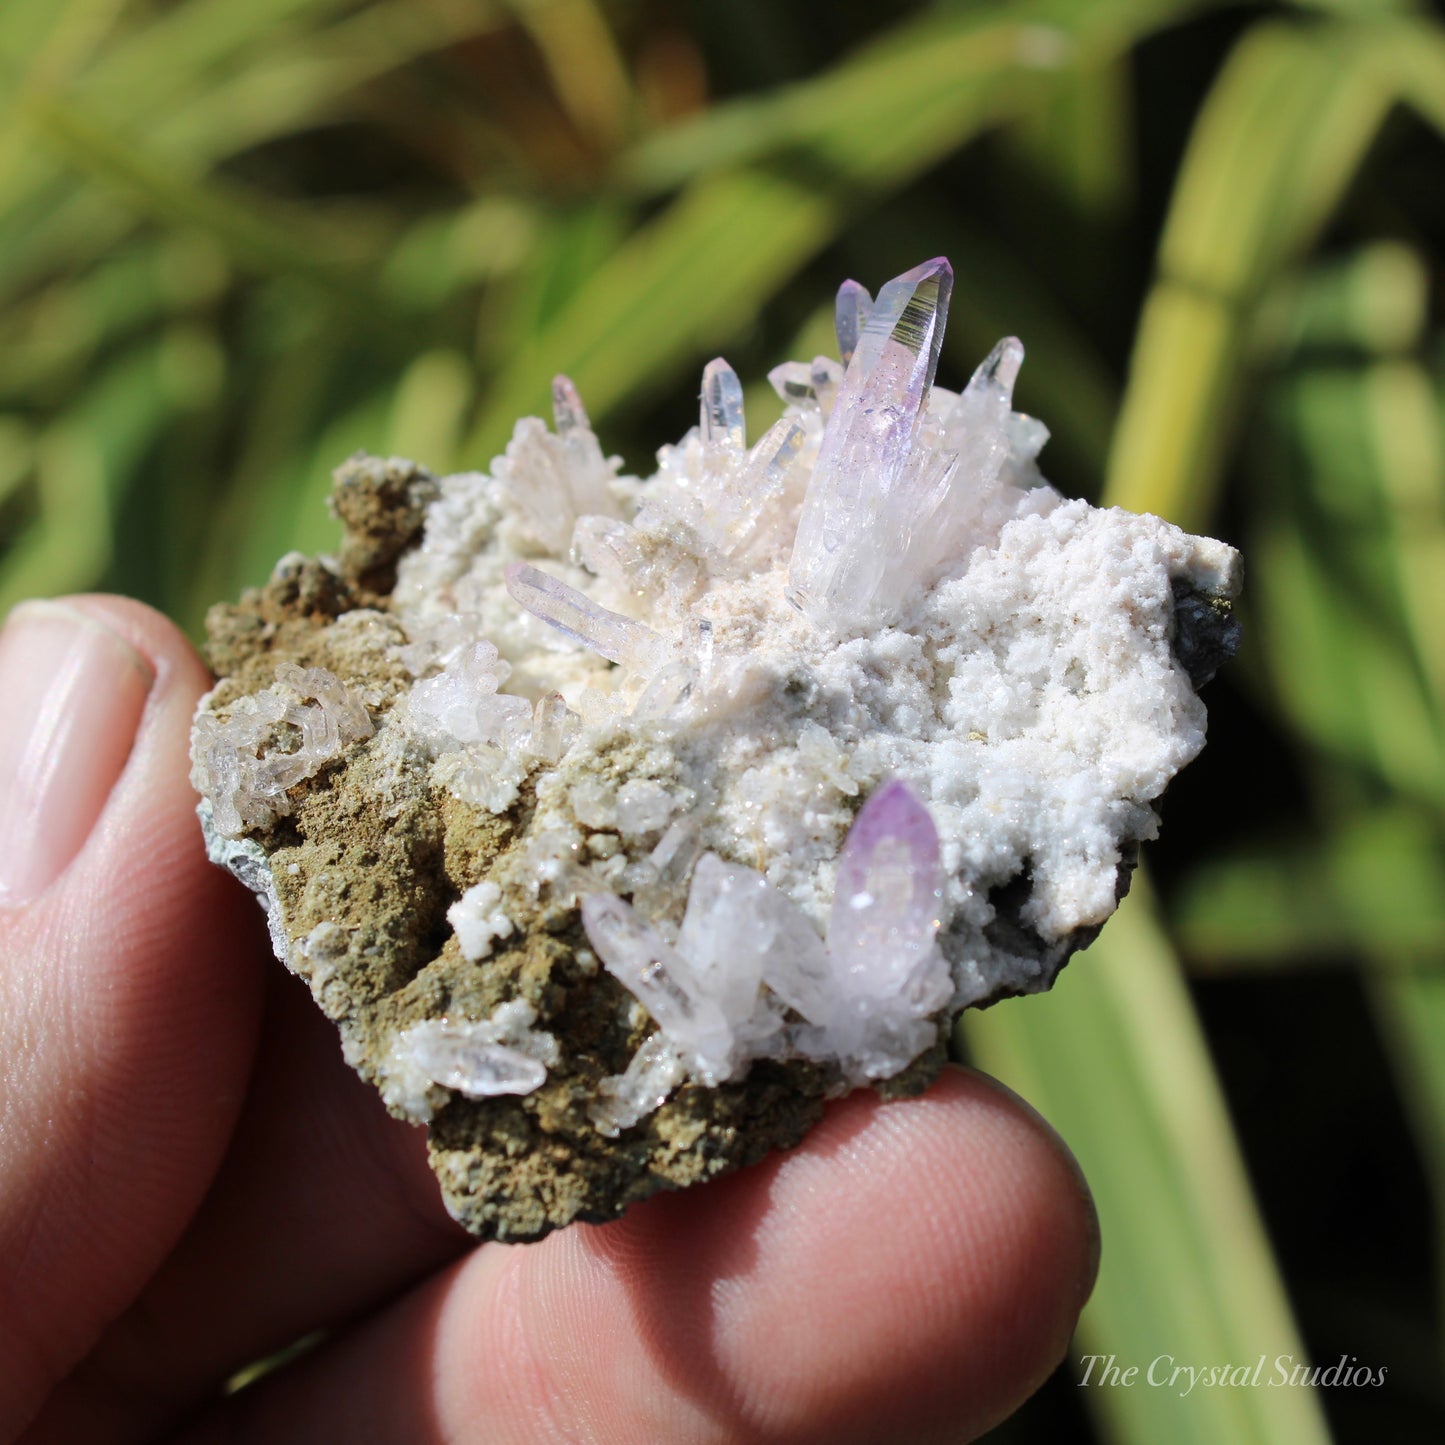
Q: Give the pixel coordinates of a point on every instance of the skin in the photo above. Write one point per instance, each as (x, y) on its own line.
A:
(190, 1178)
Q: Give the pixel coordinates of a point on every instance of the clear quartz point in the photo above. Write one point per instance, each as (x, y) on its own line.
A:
(482, 1070)
(725, 934)
(850, 313)
(745, 515)
(554, 479)
(826, 376)
(1000, 368)
(659, 977)
(705, 646)
(467, 1057)
(793, 382)
(554, 727)
(983, 414)
(609, 549)
(655, 1070)
(623, 640)
(799, 384)
(670, 687)
(721, 421)
(859, 494)
(568, 412)
(663, 889)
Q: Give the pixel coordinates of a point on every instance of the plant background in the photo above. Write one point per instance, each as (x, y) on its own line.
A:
(239, 241)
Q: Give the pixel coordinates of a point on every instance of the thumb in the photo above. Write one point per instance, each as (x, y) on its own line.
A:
(129, 985)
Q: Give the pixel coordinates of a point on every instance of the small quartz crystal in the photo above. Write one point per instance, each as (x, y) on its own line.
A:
(480, 1060)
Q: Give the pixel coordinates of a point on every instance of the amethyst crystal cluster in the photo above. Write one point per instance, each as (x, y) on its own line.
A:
(750, 978)
(712, 793)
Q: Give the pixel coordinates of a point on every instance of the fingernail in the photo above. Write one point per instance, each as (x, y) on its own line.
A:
(71, 697)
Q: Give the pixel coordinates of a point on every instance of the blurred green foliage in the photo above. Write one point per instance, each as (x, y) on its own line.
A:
(240, 241)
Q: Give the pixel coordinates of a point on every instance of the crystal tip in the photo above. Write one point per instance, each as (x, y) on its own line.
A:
(1003, 363)
(938, 266)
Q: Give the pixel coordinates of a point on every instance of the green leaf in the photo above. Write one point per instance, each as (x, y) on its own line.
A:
(693, 277)
(431, 405)
(265, 92)
(1345, 681)
(241, 223)
(1410, 1009)
(1373, 883)
(1352, 534)
(677, 287)
(1114, 1058)
(1280, 136)
(1375, 298)
(1082, 139)
(946, 73)
(1348, 584)
(84, 463)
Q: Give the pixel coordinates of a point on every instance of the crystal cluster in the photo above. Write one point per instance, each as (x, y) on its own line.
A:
(272, 740)
(749, 977)
(488, 738)
(499, 1055)
(664, 807)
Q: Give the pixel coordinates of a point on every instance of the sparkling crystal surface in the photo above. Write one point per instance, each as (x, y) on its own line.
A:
(554, 727)
(461, 704)
(245, 765)
(464, 1058)
(557, 477)
(850, 316)
(745, 952)
(640, 958)
(861, 489)
(883, 926)
(653, 1072)
(619, 639)
(721, 417)
(480, 1058)
(568, 413)
(725, 934)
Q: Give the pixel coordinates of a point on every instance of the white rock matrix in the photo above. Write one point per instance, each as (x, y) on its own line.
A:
(693, 681)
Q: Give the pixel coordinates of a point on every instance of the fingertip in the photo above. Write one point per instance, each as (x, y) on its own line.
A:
(96, 699)
(141, 892)
(918, 1271)
(151, 633)
(913, 1271)
(1056, 1151)
(72, 693)
(131, 989)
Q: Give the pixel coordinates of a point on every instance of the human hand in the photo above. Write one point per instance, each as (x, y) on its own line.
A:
(190, 1177)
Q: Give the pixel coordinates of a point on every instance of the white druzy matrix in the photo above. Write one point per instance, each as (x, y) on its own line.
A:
(822, 735)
